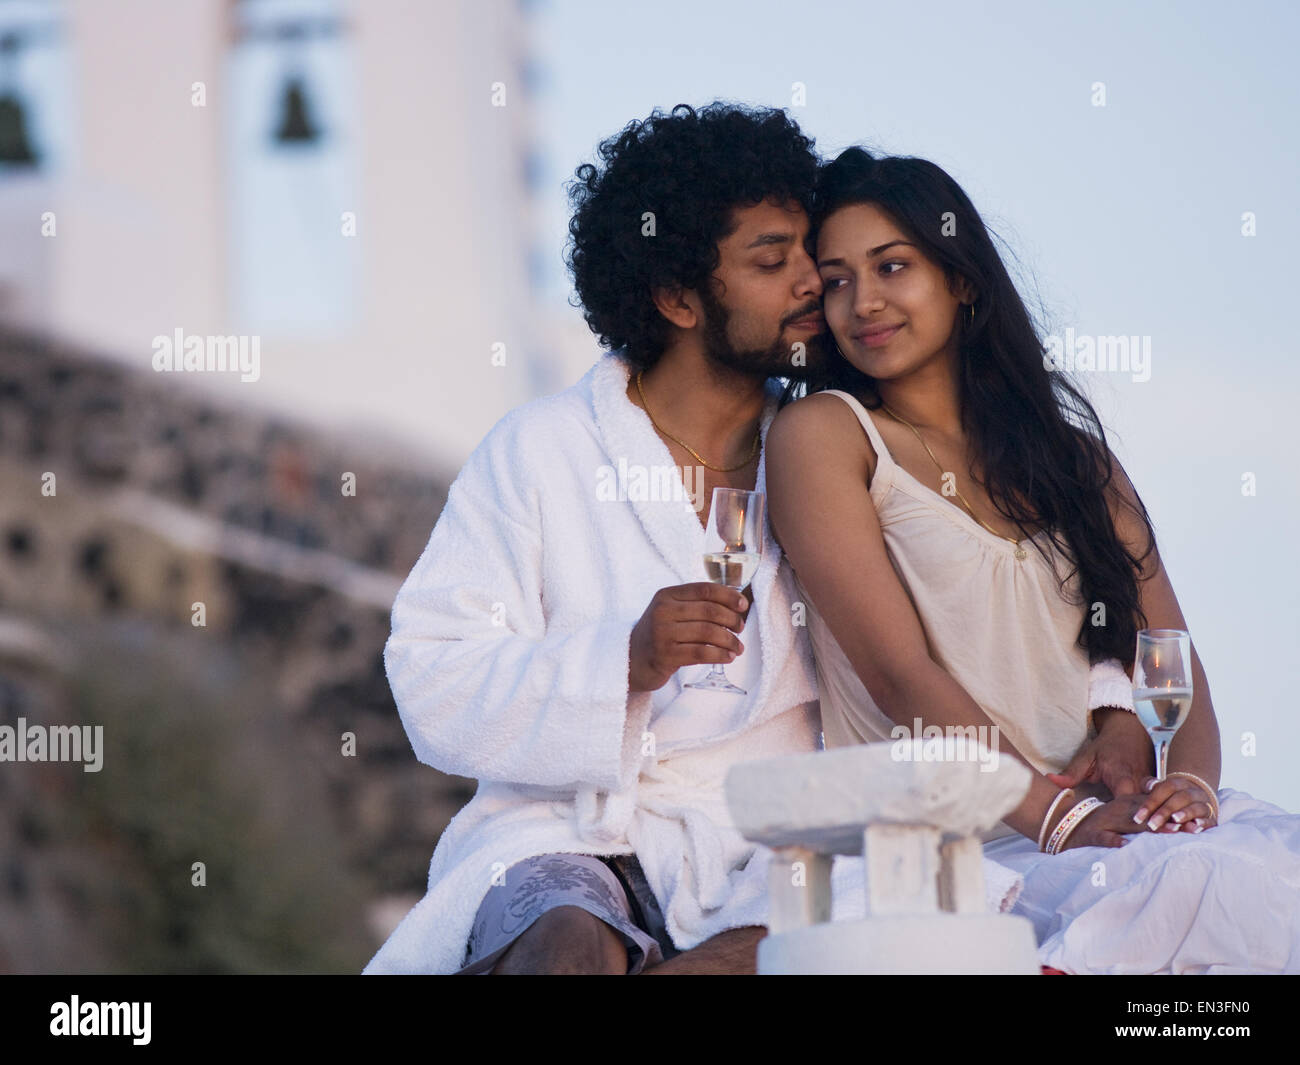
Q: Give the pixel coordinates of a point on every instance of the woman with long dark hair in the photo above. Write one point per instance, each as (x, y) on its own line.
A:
(971, 553)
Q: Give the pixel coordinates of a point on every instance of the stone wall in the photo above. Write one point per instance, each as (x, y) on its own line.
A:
(224, 738)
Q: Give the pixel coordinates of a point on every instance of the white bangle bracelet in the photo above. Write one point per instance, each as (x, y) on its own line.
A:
(1047, 817)
(1070, 822)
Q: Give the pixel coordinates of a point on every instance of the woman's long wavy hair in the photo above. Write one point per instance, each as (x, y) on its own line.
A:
(1035, 439)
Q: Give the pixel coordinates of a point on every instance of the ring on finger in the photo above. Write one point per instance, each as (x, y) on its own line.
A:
(1193, 811)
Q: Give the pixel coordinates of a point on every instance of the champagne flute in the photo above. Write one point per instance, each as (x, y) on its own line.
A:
(1162, 687)
(733, 545)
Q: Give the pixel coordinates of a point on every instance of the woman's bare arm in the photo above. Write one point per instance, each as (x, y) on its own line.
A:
(821, 511)
(1195, 748)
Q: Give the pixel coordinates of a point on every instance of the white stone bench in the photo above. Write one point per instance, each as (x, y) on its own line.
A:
(917, 823)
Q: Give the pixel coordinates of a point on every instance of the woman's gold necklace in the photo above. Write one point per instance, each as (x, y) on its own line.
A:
(1020, 551)
(717, 469)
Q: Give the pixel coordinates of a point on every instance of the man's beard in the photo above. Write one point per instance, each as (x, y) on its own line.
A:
(775, 360)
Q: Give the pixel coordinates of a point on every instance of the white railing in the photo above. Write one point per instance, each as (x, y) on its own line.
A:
(916, 822)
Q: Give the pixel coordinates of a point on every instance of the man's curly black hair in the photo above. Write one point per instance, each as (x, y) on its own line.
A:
(690, 169)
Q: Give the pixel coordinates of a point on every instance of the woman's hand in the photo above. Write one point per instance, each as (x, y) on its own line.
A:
(1120, 756)
(1174, 804)
(1107, 825)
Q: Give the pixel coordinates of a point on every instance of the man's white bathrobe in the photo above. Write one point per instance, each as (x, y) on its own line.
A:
(508, 661)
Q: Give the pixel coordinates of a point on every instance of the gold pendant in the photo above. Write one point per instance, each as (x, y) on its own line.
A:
(1021, 553)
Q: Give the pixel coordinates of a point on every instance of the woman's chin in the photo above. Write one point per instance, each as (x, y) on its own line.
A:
(877, 365)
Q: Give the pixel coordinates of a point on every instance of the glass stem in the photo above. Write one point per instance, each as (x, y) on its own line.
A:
(1162, 756)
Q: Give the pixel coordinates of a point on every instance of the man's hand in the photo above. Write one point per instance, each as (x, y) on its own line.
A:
(684, 625)
(1121, 756)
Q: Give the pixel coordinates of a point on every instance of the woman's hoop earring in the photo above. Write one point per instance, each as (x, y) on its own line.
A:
(972, 314)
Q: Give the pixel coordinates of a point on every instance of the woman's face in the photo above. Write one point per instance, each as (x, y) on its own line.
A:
(888, 306)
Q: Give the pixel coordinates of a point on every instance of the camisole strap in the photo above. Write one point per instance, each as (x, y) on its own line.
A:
(884, 474)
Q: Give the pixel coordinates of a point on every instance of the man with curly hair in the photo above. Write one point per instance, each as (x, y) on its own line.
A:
(538, 645)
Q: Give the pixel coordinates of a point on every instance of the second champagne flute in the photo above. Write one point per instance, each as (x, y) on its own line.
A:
(1162, 687)
(733, 546)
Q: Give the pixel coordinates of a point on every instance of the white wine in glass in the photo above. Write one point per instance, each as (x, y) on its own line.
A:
(1162, 687)
(733, 546)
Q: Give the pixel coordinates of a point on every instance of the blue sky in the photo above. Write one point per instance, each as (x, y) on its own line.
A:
(1127, 218)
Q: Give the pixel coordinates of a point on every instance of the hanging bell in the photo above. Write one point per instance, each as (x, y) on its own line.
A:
(296, 126)
(15, 147)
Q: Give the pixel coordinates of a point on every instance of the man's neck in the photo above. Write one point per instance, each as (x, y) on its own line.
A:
(714, 409)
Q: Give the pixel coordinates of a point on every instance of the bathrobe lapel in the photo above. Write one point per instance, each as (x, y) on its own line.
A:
(672, 527)
(627, 436)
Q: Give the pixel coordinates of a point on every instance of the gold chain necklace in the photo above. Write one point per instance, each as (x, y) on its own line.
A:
(1020, 551)
(717, 469)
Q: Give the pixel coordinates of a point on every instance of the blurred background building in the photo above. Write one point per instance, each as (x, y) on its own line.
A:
(350, 188)
(353, 183)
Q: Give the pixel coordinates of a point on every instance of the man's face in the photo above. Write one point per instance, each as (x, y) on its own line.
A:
(765, 318)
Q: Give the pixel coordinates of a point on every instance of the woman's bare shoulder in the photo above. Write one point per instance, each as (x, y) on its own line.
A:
(816, 427)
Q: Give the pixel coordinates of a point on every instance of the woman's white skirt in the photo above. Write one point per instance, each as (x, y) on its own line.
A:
(1226, 900)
